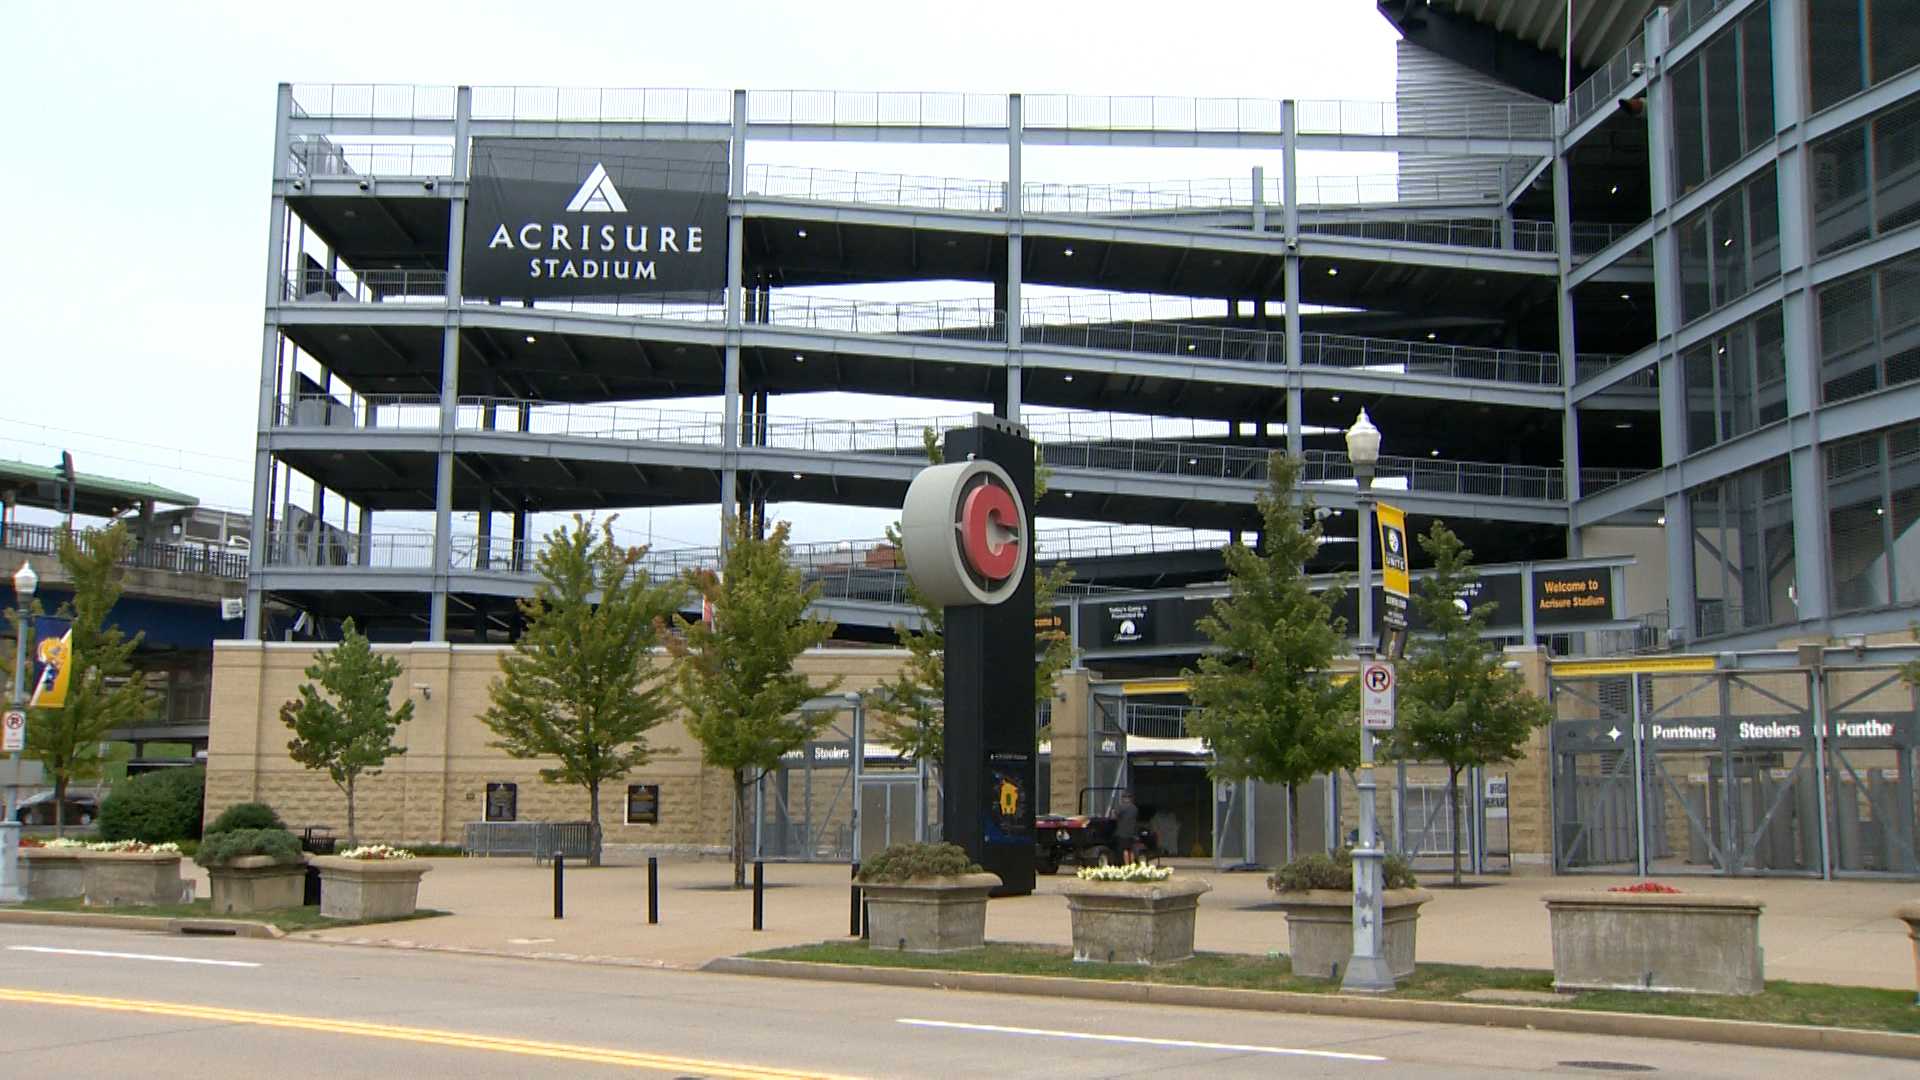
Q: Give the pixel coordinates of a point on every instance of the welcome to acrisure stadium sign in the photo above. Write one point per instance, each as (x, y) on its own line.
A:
(596, 217)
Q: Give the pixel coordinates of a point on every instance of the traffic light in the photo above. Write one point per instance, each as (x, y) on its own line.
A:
(65, 471)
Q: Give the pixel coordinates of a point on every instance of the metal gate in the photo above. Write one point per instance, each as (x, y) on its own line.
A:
(1781, 771)
(1106, 752)
(806, 810)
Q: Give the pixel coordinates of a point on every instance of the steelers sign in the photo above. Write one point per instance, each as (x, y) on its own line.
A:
(964, 533)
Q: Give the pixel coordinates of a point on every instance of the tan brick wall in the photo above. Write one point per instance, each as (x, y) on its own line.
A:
(430, 792)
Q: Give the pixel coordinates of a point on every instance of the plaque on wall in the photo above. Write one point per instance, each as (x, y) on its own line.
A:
(643, 804)
(503, 801)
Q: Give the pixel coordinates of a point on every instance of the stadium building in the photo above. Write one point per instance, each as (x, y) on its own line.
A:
(1657, 334)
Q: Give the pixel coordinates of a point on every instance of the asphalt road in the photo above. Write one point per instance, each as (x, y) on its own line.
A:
(80, 1003)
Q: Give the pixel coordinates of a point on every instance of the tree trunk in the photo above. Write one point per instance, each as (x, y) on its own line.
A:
(59, 805)
(739, 828)
(1453, 811)
(353, 839)
(593, 815)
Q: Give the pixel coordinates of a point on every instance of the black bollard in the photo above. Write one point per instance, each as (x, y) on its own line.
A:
(853, 913)
(759, 885)
(653, 891)
(559, 886)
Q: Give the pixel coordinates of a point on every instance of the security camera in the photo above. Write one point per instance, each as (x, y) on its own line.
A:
(299, 185)
(1638, 69)
(365, 185)
(428, 184)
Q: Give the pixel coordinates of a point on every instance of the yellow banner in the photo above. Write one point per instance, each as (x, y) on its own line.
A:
(56, 671)
(1393, 550)
(1633, 665)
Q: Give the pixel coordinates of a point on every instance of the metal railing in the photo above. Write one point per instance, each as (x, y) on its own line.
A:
(876, 188)
(1592, 365)
(1590, 238)
(373, 101)
(1593, 481)
(1526, 235)
(1684, 16)
(1430, 358)
(1108, 541)
(1155, 721)
(318, 286)
(1433, 117)
(318, 156)
(1601, 87)
(1429, 117)
(208, 560)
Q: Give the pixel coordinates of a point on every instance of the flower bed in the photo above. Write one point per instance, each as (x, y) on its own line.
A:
(117, 873)
(1640, 939)
(1132, 914)
(358, 885)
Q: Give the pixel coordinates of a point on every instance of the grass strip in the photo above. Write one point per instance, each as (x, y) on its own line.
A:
(1818, 1004)
(290, 920)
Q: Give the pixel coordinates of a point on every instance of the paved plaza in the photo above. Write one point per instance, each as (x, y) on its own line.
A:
(1834, 932)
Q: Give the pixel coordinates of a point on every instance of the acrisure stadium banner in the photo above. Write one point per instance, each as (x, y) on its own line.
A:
(594, 217)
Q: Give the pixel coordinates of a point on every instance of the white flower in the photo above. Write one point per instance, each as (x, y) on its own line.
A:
(65, 842)
(376, 852)
(131, 847)
(1130, 872)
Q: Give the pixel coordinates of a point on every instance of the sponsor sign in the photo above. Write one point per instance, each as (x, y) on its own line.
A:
(1162, 621)
(14, 732)
(965, 534)
(1393, 566)
(1376, 696)
(1572, 596)
(643, 804)
(591, 217)
(837, 754)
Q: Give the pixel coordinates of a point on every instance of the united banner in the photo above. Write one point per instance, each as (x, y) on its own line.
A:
(56, 671)
(1393, 564)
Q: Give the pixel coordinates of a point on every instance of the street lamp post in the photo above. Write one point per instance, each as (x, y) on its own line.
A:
(25, 581)
(1367, 969)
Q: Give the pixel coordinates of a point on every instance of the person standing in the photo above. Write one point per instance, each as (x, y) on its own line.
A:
(1126, 826)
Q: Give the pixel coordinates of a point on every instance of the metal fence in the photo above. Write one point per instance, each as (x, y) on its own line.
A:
(1431, 358)
(209, 560)
(318, 156)
(1601, 87)
(1524, 235)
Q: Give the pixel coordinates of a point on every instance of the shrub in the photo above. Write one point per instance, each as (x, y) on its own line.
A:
(1335, 872)
(907, 862)
(156, 807)
(221, 848)
(246, 815)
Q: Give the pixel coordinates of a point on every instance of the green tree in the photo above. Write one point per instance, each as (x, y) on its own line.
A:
(104, 692)
(909, 706)
(1264, 700)
(580, 685)
(1458, 705)
(348, 731)
(734, 679)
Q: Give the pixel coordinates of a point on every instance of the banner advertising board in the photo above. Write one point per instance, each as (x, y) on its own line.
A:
(1393, 565)
(1572, 596)
(593, 217)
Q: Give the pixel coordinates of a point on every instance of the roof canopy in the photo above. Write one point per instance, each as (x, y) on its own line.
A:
(94, 495)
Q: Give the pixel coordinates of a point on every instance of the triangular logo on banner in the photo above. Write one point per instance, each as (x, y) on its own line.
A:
(597, 195)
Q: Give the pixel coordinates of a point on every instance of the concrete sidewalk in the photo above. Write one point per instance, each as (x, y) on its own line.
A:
(1833, 932)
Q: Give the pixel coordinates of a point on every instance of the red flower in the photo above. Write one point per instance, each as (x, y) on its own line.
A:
(1646, 887)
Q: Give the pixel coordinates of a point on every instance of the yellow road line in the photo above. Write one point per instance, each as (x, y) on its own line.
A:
(458, 1039)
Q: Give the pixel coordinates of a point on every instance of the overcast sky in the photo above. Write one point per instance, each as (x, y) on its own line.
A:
(139, 156)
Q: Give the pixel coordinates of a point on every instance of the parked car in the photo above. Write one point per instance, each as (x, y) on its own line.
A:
(38, 809)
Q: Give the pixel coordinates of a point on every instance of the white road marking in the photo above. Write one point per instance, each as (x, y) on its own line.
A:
(132, 956)
(1135, 1040)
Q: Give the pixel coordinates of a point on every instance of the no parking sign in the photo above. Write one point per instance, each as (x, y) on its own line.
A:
(16, 732)
(1376, 696)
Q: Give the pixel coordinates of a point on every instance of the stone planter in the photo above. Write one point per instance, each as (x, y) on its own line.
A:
(52, 873)
(1910, 914)
(1320, 929)
(131, 878)
(1144, 922)
(932, 915)
(1690, 943)
(256, 883)
(368, 888)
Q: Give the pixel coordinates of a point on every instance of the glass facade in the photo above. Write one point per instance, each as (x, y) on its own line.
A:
(1743, 554)
(1855, 44)
(1873, 498)
(1866, 178)
(1870, 329)
(1736, 381)
(1723, 100)
(1730, 246)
